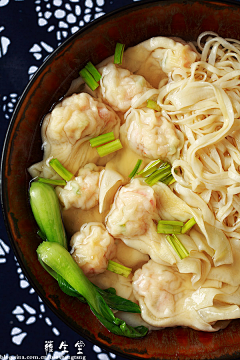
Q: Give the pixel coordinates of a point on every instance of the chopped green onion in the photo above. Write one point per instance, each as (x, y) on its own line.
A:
(135, 170)
(51, 181)
(158, 175)
(109, 148)
(150, 168)
(177, 246)
(118, 268)
(89, 79)
(102, 139)
(118, 55)
(188, 225)
(168, 229)
(157, 171)
(93, 71)
(153, 105)
(181, 247)
(171, 181)
(168, 180)
(60, 169)
(171, 222)
(171, 241)
(165, 179)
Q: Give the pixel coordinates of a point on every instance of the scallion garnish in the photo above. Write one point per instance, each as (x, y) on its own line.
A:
(177, 246)
(118, 268)
(118, 55)
(153, 105)
(109, 148)
(89, 79)
(93, 71)
(135, 170)
(174, 226)
(188, 225)
(60, 169)
(171, 222)
(155, 171)
(102, 139)
(159, 174)
(169, 227)
(150, 168)
(51, 181)
(168, 180)
(171, 181)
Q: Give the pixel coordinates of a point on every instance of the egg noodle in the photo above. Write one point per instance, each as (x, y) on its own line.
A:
(204, 103)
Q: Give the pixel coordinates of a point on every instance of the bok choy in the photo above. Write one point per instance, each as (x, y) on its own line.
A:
(46, 210)
(55, 258)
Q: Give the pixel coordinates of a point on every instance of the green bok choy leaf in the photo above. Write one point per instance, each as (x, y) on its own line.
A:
(56, 257)
(114, 301)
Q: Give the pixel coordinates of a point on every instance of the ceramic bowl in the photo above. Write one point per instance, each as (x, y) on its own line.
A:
(96, 41)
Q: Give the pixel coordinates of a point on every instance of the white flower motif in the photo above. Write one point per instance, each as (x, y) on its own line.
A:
(46, 319)
(18, 312)
(18, 335)
(32, 70)
(101, 355)
(9, 102)
(4, 2)
(27, 315)
(41, 50)
(67, 15)
(24, 283)
(25, 312)
(4, 249)
(4, 42)
(68, 22)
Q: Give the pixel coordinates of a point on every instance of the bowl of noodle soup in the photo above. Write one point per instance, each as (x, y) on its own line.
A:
(185, 57)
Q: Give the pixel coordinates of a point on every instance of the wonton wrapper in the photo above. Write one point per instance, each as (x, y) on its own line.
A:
(167, 298)
(66, 132)
(156, 57)
(110, 181)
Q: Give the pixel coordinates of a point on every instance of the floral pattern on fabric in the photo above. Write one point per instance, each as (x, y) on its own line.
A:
(29, 32)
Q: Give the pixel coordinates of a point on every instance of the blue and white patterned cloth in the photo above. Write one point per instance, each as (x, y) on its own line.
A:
(29, 32)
